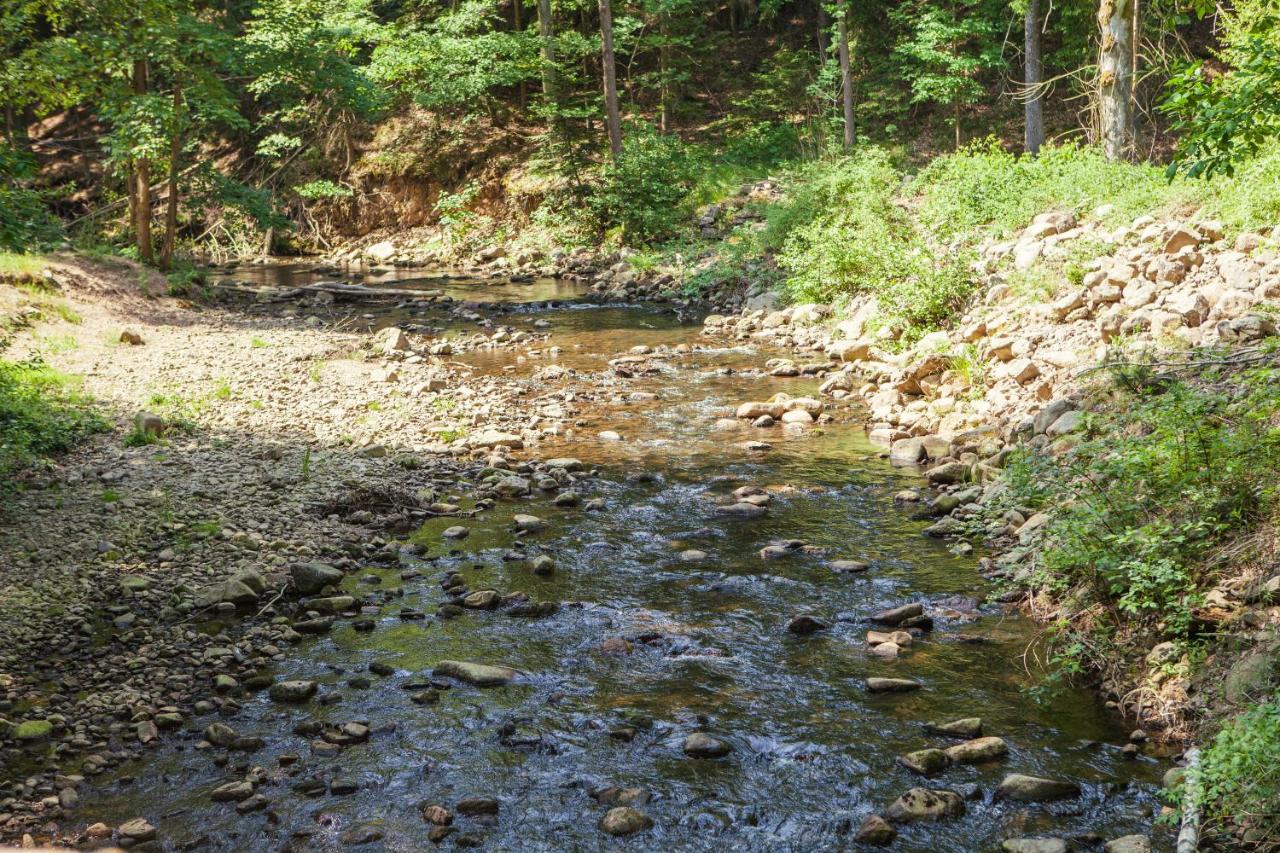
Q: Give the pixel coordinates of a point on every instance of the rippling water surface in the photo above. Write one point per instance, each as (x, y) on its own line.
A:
(813, 752)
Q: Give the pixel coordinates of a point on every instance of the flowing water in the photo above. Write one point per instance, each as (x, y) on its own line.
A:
(813, 752)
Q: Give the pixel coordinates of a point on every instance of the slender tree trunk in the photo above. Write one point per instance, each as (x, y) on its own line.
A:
(1115, 77)
(142, 176)
(547, 34)
(517, 13)
(846, 75)
(955, 121)
(1033, 131)
(613, 121)
(175, 152)
(823, 47)
(664, 72)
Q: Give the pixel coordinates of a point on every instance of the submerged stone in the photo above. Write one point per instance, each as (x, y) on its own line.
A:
(479, 674)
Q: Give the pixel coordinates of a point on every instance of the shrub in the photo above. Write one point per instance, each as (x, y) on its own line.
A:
(1239, 774)
(845, 233)
(25, 223)
(646, 192)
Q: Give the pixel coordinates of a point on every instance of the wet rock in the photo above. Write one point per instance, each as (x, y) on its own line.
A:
(923, 804)
(473, 806)
(849, 567)
(435, 814)
(484, 599)
(292, 691)
(1128, 844)
(969, 727)
(542, 565)
(877, 831)
(892, 685)
(232, 792)
(478, 674)
(1034, 789)
(741, 510)
(528, 524)
(457, 531)
(978, 749)
(926, 762)
(362, 834)
(1034, 845)
(624, 820)
(702, 745)
(897, 615)
(137, 831)
(311, 578)
(805, 624)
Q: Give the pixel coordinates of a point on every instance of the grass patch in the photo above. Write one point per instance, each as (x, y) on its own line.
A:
(19, 267)
(42, 414)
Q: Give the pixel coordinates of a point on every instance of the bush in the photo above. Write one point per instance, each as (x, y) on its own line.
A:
(1239, 774)
(646, 192)
(25, 223)
(844, 233)
(984, 187)
(1141, 501)
(40, 415)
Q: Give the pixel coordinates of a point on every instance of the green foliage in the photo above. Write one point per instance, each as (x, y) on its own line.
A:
(646, 193)
(844, 233)
(946, 47)
(984, 186)
(1225, 118)
(25, 222)
(1238, 780)
(1140, 502)
(41, 415)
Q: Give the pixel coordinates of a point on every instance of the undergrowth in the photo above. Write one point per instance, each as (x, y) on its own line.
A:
(1238, 780)
(41, 414)
(1171, 466)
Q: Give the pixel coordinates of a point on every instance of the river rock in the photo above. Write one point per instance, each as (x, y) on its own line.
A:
(483, 599)
(529, 524)
(292, 691)
(1034, 789)
(849, 567)
(478, 674)
(741, 510)
(920, 804)
(897, 615)
(310, 578)
(926, 762)
(806, 624)
(1128, 844)
(624, 820)
(457, 531)
(33, 731)
(1034, 845)
(876, 830)
(232, 792)
(702, 745)
(138, 830)
(978, 749)
(472, 806)
(969, 727)
(892, 685)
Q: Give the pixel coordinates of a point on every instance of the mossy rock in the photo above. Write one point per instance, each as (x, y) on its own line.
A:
(33, 731)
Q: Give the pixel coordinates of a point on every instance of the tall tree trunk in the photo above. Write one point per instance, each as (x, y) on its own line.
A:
(664, 71)
(142, 177)
(517, 14)
(1033, 131)
(175, 152)
(1115, 77)
(547, 34)
(613, 121)
(846, 75)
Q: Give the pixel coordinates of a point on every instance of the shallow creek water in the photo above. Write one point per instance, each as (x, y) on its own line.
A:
(813, 752)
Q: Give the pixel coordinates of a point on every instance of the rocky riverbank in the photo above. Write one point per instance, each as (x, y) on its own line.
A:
(1015, 372)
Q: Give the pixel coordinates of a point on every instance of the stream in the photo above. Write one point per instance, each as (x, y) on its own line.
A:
(650, 645)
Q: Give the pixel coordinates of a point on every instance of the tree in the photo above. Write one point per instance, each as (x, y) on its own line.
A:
(1032, 70)
(612, 118)
(944, 50)
(846, 76)
(546, 36)
(1116, 21)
